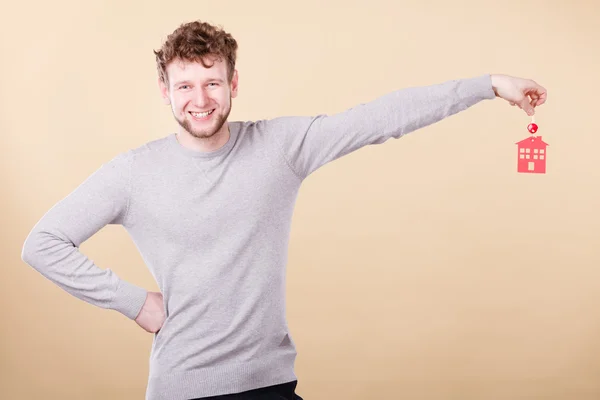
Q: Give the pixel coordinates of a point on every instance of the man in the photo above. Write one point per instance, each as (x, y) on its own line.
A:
(210, 208)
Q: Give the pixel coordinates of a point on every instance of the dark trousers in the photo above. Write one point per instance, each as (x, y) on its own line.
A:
(284, 391)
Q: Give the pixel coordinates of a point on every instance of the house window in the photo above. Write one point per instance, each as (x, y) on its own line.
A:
(527, 150)
(527, 156)
(535, 151)
(535, 157)
(542, 151)
(522, 150)
(522, 156)
(541, 157)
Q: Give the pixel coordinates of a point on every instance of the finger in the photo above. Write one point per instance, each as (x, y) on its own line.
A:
(543, 94)
(530, 100)
(534, 99)
(540, 93)
(527, 107)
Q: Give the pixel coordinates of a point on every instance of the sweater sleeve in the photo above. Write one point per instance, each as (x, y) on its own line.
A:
(309, 142)
(52, 246)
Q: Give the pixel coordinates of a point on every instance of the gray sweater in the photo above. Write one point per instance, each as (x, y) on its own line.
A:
(213, 228)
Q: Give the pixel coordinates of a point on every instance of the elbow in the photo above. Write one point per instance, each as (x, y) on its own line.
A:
(35, 248)
(29, 249)
(44, 249)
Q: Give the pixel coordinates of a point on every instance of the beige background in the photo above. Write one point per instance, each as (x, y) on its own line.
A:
(423, 268)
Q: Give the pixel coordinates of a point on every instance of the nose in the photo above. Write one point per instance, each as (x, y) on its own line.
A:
(201, 99)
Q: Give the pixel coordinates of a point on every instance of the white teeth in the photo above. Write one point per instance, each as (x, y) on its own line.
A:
(201, 115)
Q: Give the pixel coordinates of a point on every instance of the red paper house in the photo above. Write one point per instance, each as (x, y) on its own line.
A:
(532, 155)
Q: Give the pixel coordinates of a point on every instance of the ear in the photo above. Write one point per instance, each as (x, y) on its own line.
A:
(234, 84)
(164, 91)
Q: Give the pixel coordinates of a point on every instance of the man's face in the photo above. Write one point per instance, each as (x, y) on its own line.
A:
(200, 97)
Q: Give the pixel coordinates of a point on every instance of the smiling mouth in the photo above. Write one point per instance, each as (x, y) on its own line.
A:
(201, 115)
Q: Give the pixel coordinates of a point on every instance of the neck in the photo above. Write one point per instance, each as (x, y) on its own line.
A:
(209, 144)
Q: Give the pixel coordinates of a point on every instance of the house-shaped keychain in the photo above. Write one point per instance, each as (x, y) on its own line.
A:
(532, 154)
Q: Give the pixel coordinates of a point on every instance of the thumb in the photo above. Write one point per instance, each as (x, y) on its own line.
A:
(527, 107)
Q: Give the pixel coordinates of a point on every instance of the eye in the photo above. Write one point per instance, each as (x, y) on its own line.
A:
(213, 83)
(184, 86)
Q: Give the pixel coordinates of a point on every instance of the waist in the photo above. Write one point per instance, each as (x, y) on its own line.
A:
(233, 373)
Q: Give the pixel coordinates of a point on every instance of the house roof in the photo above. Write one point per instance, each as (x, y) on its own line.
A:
(536, 140)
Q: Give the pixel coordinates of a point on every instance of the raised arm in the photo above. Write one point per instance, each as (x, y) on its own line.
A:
(309, 142)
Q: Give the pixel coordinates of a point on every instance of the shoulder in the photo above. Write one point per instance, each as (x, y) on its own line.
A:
(277, 128)
(149, 151)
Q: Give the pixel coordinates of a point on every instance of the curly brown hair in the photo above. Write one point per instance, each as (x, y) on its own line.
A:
(195, 41)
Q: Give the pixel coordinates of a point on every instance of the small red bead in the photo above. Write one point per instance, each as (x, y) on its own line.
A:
(532, 128)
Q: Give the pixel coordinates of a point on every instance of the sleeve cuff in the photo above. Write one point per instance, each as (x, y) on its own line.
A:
(484, 84)
(473, 90)
(129, 299)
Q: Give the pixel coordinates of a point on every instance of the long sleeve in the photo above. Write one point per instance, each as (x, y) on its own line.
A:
(309, 142)
(52, 247)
